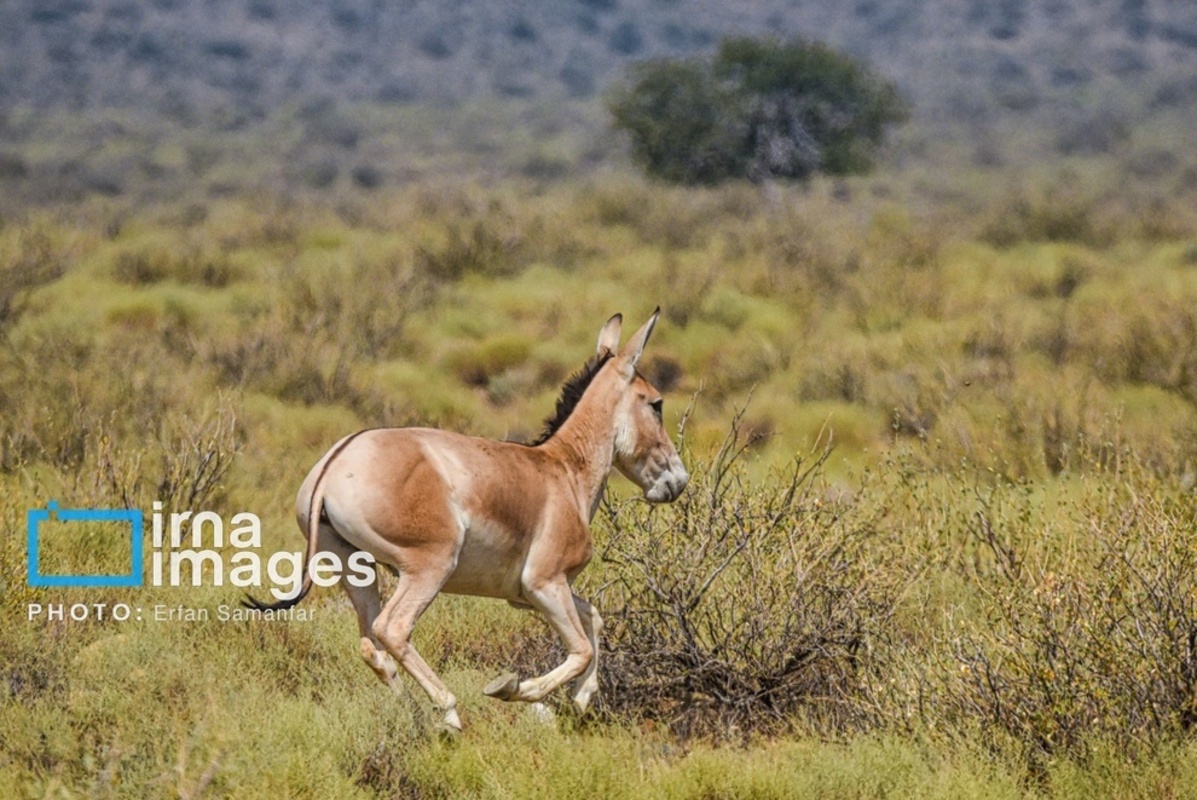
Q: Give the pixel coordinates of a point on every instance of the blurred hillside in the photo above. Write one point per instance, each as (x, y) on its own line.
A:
(114, 97)
(185, 57)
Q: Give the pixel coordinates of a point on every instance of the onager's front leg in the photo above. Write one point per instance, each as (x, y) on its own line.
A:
(587, 684)
(556, 602)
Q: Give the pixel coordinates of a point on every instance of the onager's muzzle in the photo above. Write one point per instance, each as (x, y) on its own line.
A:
(669, 482)
(657, 469)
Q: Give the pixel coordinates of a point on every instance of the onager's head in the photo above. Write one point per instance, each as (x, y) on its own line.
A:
(643, 451)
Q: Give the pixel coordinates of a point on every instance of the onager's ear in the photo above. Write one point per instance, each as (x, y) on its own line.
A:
(608, 340)
(635, 346)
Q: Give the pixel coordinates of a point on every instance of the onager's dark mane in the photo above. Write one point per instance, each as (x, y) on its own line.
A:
(571, 395)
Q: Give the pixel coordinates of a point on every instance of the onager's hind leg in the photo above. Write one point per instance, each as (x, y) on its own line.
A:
(393, 628)
(367, 604)
(556, 602)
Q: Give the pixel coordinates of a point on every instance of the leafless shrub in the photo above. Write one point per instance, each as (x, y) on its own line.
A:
(481, 248)
(1152, 340)
(839, 372)
(909, 420)
(1080, 644)
(743, 607)
(914, 401)
(193, 265)
(52, 413)
(35, 263)
(193, 457)
(382, 773)
(1058, 215)
(367, 304)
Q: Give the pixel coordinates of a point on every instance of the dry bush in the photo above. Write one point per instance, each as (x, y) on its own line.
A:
(304, 344)
(1069, 433)
(743, 607)
(1157, 218)
(906, 243)
(367, 304)
(837, 370)
(1097, 216)
(672, 219)
(1055, 215)
(491, 234)
(184, 463)
(487, 246)
(810, 251)
(189, 264)
(122, 441)
(1153, 341)
(462, 229)
(913, 402)
(675, 220)
(272, 358)
(16, 594)
(612, 203)
(1019, 428)
(1070, 642)
(68, 385)
(688, 286)
(35, 262)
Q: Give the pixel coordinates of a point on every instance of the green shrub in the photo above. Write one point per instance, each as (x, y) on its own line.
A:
(480, 364)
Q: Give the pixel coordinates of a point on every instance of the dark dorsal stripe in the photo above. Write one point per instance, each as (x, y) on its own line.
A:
(571, 395)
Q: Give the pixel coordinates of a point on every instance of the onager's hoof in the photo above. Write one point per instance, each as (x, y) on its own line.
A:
(450, 724)
(503, 687)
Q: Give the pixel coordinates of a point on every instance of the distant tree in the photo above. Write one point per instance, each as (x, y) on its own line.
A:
(758, 109)
(685, 124)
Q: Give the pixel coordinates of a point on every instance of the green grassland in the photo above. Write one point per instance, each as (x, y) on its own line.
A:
(939, 542)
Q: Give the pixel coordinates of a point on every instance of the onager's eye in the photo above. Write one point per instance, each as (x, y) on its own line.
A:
(658, 406)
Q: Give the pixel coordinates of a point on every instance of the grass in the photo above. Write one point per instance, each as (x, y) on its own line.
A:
(1006, 376)
(184, 710)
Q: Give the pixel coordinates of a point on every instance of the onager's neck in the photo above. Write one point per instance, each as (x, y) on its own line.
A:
(586, 444)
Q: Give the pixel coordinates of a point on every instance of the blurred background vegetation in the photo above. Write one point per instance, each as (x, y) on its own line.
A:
(942, 415)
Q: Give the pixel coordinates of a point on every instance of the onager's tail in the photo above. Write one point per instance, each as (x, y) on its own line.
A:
(315, 511)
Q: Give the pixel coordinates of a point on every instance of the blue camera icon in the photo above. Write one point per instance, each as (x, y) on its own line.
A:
(36, 516)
